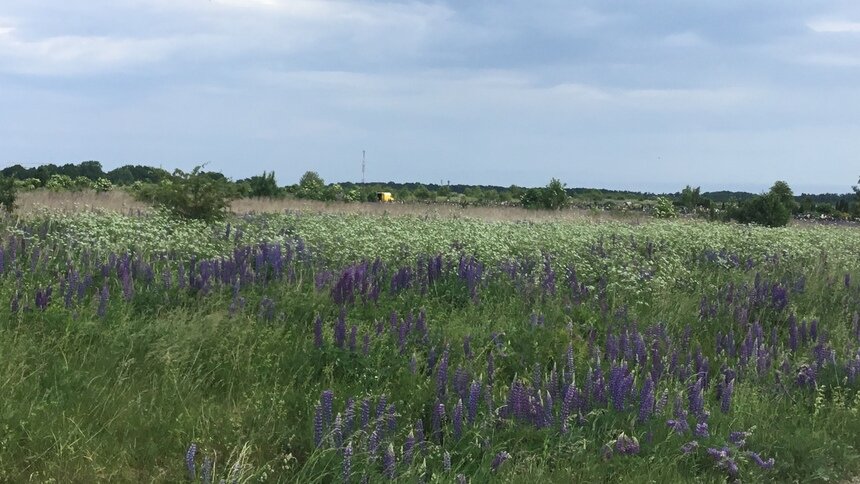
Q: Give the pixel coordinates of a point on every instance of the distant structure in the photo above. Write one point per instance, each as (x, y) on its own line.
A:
(362, 167)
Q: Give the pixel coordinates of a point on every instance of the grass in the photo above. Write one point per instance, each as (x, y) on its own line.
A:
(119, 398)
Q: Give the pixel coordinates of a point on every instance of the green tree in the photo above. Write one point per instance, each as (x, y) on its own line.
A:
(8, 193)
(690, 197)
(554, 196)
(311, 186)
(421, 193)
(196, 195)
(532, 198)
(772, 209)
(783, 192)
(263, 185)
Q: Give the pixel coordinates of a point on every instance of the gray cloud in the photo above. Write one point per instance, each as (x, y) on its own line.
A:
(646, 95)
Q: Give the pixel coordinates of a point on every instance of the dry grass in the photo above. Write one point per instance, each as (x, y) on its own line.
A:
(121, 201)
(88, 200)
(434, 210)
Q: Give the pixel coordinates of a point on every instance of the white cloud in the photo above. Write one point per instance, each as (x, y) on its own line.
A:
(834, 26)
(76, 54)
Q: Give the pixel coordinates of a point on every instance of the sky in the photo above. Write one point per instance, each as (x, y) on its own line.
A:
(643, 95)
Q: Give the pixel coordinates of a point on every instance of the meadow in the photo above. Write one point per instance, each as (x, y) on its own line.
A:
(307, 346)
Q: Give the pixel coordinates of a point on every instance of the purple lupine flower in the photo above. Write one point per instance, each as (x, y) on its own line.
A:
(646, 400)
(365, 413)
(438, 419)
(408, 447)
(617, 374)
(696, 398)
(326, 400)
(474, 396)
(738, 438)
(569, 362)
(461, 479)
(461, 382)
(420, 442)
(389, 462)
(701, 430)
(498, 460)
(446, 461)
(806, 376)
(190, 466)
(689, 447)
(679, 423)
(392, 419)
(318, 426)
(365, 346)
(349, 417)
(553, 383)
(457, 418)
(467, 347)
(206, 470)
(726, 396)
(353, 336)
(625, 445)
(724, 460)
(442, 375)
(764, 464)
(813, 330)
(373, 443)
(337, 432)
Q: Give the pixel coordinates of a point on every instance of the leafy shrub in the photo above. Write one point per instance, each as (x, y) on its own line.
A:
(772, 209)
(263, 186)
(103, 185)
(59, 182)
(311, 186)
(551, 197)
(8, 193)
(195, 195)
(665, 208)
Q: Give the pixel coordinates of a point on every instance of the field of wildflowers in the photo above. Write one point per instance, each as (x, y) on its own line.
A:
(356, 348)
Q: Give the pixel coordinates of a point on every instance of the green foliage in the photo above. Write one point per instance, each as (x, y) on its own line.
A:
(59, 182)
(103, 185)
(422, 193)
(119, 398)
(691, 198)
(664, 208)
(196, 195)
(8, 193)
(772, 209)
(82, 183)
(552, 197)
(311, 186)
(263, 186)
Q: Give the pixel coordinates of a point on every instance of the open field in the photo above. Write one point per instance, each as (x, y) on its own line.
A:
(310, 346)
(122, 202)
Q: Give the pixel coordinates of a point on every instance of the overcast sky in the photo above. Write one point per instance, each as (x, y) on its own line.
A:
(646, 95)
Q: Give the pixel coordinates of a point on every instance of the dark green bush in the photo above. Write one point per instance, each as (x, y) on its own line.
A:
(196, 195)
(8, 193)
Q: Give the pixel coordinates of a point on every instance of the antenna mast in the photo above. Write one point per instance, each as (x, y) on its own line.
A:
(362, 167)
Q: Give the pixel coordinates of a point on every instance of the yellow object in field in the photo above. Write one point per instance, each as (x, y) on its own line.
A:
(384, 197)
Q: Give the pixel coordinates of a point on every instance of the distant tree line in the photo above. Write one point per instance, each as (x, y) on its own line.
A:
(148, 183)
